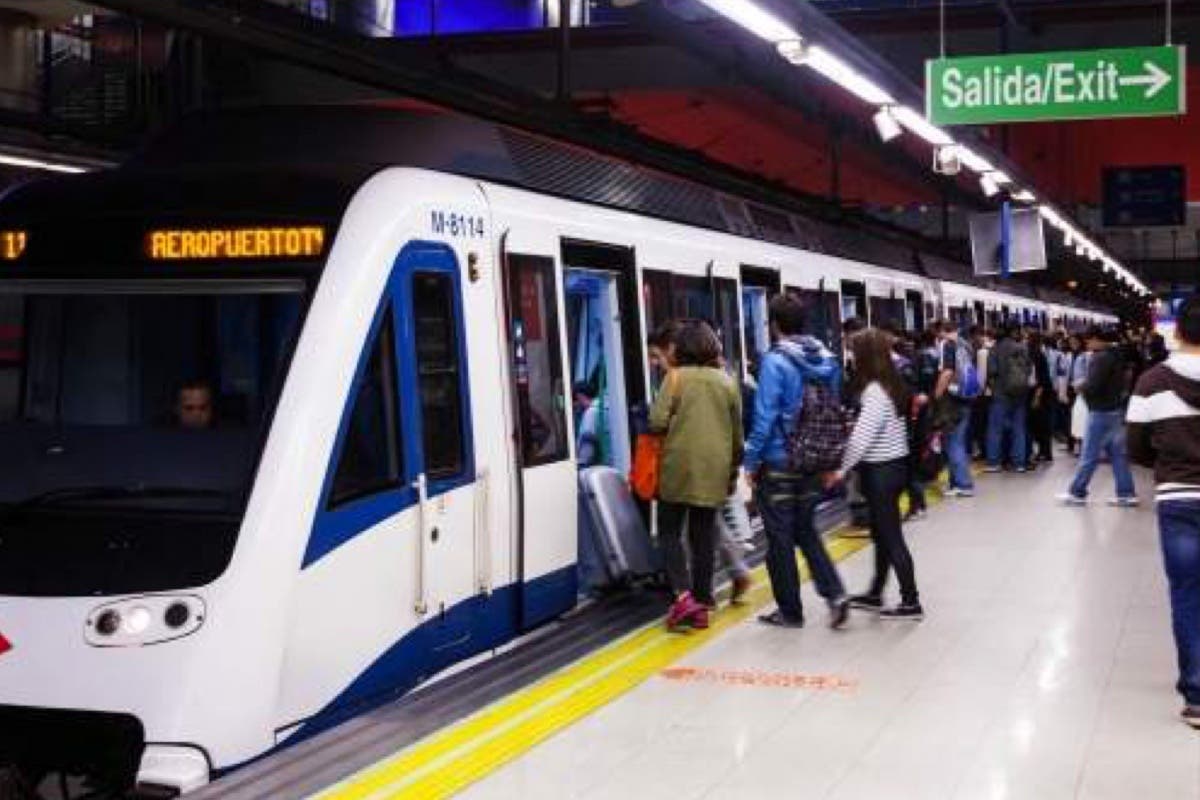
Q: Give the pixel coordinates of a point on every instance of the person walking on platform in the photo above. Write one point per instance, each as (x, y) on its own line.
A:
(1042, 399)
(958, 385)
(878, 446)
(1010, 371)
(700, 412)
(786, 497)
(1164, 433)
(1105, 392)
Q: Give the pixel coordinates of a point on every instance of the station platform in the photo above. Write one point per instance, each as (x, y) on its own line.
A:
(1043, 669)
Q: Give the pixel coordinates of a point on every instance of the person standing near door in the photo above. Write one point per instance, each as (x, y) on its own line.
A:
(958, 385)
(1105, 392)
(1010, 372)
(699, 412)
(1164, 433)
(787, 499)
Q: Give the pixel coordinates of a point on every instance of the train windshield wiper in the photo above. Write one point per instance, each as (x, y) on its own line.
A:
(72, 493)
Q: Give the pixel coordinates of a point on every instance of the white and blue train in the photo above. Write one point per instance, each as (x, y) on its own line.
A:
(286, 430)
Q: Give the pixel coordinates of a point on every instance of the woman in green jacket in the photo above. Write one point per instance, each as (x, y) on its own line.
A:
(700, 412)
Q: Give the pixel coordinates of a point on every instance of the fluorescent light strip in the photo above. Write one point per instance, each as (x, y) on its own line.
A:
(750, 16)
(975, 162)
(917, 123)
(35, 163)
(846, 76)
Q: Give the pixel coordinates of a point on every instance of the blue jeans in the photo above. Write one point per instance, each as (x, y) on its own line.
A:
(1105, 434)
(1179, 529)
(1007, 412)
(788, 504)
(957, 457)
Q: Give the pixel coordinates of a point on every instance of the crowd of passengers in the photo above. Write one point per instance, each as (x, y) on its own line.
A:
(894, 413)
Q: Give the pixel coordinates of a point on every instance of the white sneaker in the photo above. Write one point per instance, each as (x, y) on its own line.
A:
(1124, 502)
(954, 491)
(1072, 499)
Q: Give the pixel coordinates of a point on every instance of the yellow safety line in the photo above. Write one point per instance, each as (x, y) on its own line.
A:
(455, 757)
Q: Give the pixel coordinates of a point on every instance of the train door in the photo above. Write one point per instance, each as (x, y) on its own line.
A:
(914, 311)
(604, 352)
(758, 284)
(854, 301)
(546, 486)
(431, 360)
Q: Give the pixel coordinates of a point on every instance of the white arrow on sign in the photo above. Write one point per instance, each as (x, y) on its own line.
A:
(1156, 78)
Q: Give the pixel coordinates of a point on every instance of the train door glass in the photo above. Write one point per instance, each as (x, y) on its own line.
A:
(914, 311)
(821, 316)
(886, 312)
(596, 351)
(681, 297)
(854, 301)
(755, 328)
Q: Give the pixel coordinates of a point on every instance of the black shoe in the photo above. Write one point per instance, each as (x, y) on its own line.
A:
(839, 612)
(777, 619)
(866, 602)
(904, 611)
(1191, 716)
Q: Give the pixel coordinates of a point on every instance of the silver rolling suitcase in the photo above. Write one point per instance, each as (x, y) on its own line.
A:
(615, 547)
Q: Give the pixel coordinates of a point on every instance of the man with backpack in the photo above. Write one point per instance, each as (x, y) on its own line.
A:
(798, 426)
(958, 385)
(1010, 373)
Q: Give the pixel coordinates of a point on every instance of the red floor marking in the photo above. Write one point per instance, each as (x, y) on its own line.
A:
(746, 677)
(5, 646)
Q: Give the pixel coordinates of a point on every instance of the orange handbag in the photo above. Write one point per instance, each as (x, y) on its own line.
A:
(647, 455)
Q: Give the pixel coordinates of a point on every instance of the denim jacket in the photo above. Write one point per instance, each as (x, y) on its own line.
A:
(781, 378)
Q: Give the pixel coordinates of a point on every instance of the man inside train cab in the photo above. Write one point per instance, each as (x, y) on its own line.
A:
(194, 405)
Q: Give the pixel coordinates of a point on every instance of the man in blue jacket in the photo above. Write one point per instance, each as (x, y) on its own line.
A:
(787, 499)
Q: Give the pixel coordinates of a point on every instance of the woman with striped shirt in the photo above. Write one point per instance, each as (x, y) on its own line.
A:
(878, 446)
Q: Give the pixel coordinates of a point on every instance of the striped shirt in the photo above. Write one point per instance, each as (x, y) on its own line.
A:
(879, 433)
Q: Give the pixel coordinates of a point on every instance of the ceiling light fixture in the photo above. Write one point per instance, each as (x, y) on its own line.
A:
(753, 18)
(973, 161)
(922, 127)
(846, 76)
(886, 125)
(988, 185)
(37, 163)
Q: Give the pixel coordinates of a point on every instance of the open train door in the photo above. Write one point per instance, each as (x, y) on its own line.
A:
(545, 484)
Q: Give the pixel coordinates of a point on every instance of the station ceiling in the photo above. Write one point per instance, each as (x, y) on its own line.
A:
(684, 84)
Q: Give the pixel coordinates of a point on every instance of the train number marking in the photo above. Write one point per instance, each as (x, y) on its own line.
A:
(456, 225)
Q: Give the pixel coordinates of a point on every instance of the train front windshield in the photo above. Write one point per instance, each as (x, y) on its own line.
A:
(133, 401)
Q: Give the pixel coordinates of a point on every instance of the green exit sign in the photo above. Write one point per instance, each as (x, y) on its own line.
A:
(1037, 87)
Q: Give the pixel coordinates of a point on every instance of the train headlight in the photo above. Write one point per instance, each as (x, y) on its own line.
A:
(140, 621)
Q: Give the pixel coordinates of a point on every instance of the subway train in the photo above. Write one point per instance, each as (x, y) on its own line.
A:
(286, 412)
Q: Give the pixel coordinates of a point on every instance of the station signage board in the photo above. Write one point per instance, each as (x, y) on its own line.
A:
(1040, 87)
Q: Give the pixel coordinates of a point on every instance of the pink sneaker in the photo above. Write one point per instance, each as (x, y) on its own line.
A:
(684, 613)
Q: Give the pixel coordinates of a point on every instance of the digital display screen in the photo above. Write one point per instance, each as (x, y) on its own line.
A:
(203, 244)
(12, 244)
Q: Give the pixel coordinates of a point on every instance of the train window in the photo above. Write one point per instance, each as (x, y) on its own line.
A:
(537, 359)
(438, 376)
(370, 458)
(180, 383)
(821, 317)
